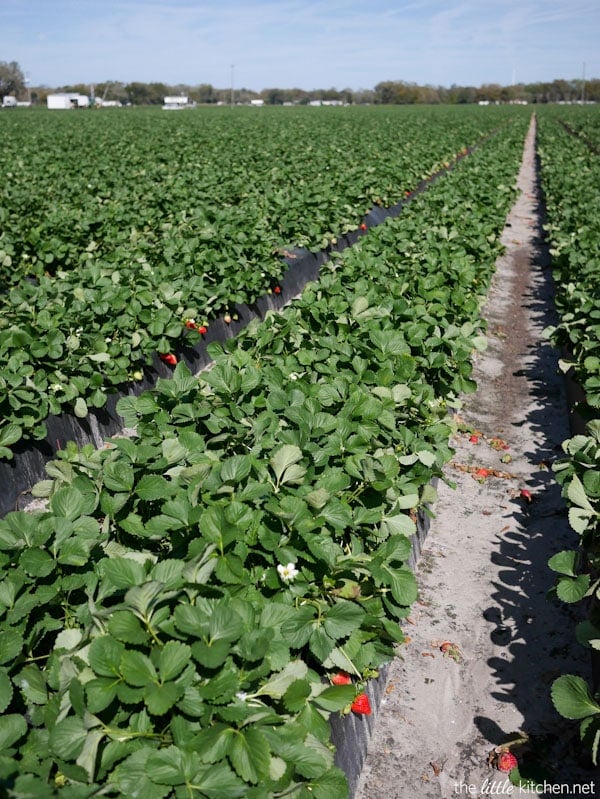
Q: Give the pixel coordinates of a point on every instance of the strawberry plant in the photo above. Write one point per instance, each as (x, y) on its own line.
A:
(573, 229)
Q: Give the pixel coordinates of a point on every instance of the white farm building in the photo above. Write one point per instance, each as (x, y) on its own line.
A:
(176, 103)
(65, 100)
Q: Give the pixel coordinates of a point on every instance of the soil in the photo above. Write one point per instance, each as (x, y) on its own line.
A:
(483, 575)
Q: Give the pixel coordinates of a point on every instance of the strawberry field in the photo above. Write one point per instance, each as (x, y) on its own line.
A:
(116, 230)
(192, 602)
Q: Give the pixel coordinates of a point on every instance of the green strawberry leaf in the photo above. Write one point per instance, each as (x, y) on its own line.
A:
(277, 685)
(572, 699)
(174, 657)
(161, 698)
(137, 669)
(6, 690)
(335, 697)
(105, 655)
(564, 562)
(68, 737)
(573, 589)
(249, 755)
(12, 727)
(343, 618)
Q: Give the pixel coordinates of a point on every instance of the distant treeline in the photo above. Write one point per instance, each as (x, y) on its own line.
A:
(395, 92)
(389, 92)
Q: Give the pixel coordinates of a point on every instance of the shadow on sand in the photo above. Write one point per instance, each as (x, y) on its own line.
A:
(536, 629)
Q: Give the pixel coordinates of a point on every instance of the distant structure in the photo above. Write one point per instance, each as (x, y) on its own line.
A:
(326, 102)
(177, 103)
(67, 100)
(102, 102)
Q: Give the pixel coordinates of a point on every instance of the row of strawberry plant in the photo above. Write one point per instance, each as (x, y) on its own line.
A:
(162, 221)
(570, 173)
(214, 188)
(582, 122)
(169, 621)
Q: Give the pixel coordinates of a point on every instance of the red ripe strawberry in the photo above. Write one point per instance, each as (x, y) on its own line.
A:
(507, 762)
(482, 472)
(277, 290)
(190, 324)
(474, 439)
(341, 678)
(201, 329)
(525, 494)
(361, 705)
(169, 358)
(363, 226)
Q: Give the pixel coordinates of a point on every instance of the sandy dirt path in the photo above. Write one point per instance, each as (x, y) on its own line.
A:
(483, 574)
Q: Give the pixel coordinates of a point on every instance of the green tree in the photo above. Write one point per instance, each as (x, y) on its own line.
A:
(138, 93)
(592, 90)
(204, 93)
(12, 79)
(273, 96)
(489, 92)
(157, 92)
(461, 95)
(386, 92)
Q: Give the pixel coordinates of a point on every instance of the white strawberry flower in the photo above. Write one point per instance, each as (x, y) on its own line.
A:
(287, 573)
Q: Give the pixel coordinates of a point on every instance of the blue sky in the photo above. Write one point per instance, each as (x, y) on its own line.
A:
(312, 44)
